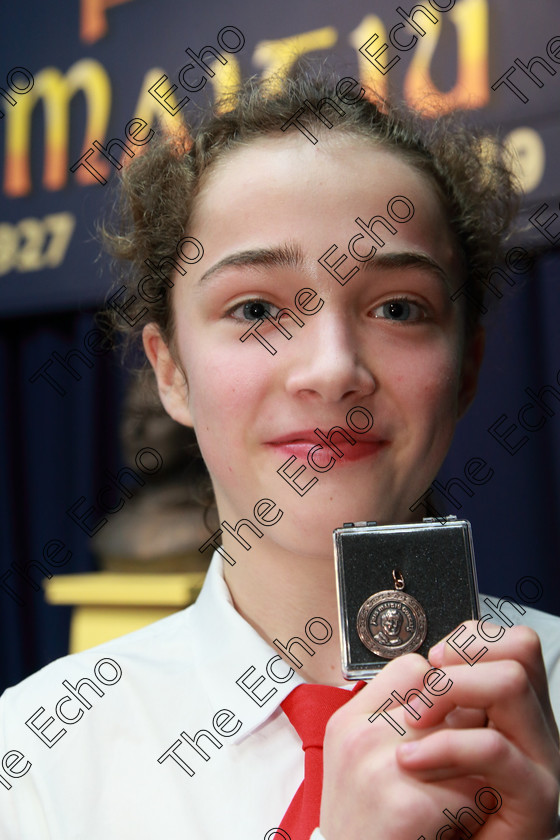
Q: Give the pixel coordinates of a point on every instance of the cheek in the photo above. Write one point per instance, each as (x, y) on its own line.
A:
(428, 381)
(225, 389)
(218, 392)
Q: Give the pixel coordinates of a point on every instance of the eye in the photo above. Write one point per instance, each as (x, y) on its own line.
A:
(252, 309)
(400, 309)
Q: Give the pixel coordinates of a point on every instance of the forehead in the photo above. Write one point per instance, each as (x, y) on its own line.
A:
(282, 188)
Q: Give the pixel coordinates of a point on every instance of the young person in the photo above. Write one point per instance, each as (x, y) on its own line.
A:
(189, 727)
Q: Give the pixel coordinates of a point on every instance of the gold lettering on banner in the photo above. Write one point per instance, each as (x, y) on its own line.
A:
(372, 80)
(471, 90)
(278, 57)
(528, 156)
(22, 245)
(55, 89)
(149, 109)
(226, 81)
(93, 20)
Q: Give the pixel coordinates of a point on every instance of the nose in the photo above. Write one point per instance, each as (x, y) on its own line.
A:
(327, 361)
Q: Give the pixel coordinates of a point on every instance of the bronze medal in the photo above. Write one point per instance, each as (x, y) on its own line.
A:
(392, 622)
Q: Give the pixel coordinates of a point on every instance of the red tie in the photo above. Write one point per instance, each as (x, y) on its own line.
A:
(309, 707)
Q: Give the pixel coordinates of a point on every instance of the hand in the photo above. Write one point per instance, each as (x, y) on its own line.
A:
(367, 791)
(373, 788)
(517, 753)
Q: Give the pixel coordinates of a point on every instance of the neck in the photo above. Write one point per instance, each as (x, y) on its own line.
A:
(277, 593)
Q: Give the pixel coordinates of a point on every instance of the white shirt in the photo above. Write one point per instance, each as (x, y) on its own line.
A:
(123, 769)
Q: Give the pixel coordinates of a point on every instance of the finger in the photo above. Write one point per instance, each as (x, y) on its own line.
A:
(398, 675)
(505, 777)
(484, 641)
(504, 691)
(449, 754)
(460, 718)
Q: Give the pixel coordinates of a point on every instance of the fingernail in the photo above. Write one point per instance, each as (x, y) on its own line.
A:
(435, 655)
(418, 705)
(456, 719)
(408, 749)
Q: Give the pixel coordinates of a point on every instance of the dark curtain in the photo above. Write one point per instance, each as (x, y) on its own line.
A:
(55, 449)
(516, 515)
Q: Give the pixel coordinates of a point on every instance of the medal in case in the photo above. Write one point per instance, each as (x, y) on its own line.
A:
(432, 567)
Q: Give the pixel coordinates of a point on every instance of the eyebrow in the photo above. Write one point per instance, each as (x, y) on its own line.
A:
(284, 256)
(290, 256)
(409, 259)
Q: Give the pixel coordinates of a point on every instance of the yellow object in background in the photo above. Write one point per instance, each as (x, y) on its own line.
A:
(108, 605)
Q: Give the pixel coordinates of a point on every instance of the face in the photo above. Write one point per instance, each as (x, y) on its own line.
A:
(391, 623)
(388, 340)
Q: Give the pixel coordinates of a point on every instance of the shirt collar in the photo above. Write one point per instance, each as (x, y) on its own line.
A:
(226, 647)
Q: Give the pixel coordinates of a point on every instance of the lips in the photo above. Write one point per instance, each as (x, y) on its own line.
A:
(299, 444)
